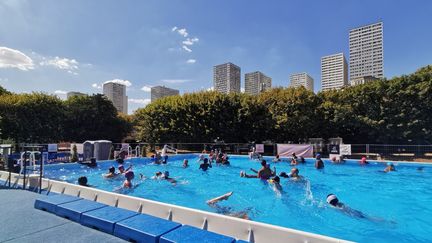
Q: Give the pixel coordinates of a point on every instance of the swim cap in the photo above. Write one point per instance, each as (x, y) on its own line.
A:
(166, 173)
(121, 167)
(318, 155)
(129, 175)
(331, 198)
(111, 169)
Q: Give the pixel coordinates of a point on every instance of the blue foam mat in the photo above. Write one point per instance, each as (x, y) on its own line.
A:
(74, 210)
(188, 234)
(143, 228)
(49, 203)
(104, 218)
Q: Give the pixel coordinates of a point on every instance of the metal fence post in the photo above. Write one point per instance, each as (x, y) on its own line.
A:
(367, 150)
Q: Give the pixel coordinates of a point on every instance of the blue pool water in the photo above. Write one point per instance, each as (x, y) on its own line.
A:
(398, 204)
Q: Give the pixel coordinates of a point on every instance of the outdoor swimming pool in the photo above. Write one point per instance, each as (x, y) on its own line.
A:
(398, 203)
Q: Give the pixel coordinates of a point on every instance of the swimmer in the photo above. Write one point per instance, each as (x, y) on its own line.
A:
(276, 184)
(363, 161)
(334, 202)
(205, 165)
(277, 159)
(157, 176)
(82, 181)
(390, 167)
(302, 160)
(226, 210)
(294, 175)
(293, 162)
(319, 164)
(201, 158)
(111, 173)
(129, 175)
(166, 177)
(283, 174)
(185, 163)
(165, 159)
(264, 173)
(122, 169)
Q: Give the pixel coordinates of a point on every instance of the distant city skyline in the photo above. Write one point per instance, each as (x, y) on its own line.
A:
(45, 48)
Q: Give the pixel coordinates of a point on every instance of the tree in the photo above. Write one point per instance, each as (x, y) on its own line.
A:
(93, 118)
(31, 118)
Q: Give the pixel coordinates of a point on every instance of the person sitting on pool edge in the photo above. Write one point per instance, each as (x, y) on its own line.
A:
(319, 164)
(264, 173)
(128, 181)
(390, 167)
(82, 181)
(205, 165)
(226, 210)
(111, 173)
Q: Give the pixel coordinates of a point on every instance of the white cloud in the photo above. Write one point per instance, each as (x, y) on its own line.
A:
(146, 88)
(186, 49)
(191, 61)
(174, 28)
(11, 58)
(61, 92)
(183, 32)
(71, 65)
(140, 101)
(96, 86)
(126, 83)
(210, 89)
(175, 81)
(190, 41)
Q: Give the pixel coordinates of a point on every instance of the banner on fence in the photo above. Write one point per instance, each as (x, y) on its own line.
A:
(345, 149)
(259, 148)
(334, 149)
(52, 147)
(285, 150)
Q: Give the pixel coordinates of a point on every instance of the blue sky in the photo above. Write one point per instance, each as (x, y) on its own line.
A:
(57, 45)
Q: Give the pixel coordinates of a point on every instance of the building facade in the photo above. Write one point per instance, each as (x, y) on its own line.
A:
(302, 79)
(334, 72)
(257, 82)
(366, 51)
(73, 93)
(362, 80)
(158, 92)
(117, 94)
(226, 78)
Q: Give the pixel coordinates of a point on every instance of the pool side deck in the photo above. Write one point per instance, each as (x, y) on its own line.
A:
(21, 222)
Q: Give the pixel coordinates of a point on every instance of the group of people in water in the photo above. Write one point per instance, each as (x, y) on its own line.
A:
(265, 174)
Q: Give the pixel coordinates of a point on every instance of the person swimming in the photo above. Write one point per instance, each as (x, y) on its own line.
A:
(122, 170)
(205, 165)
(157, 176)
(166, 177)
(319, 164)
(363, 161)
(277, 159)
(302, 160)
(293, 162)
(185, 163)
(294, 175)
(334, 202)
(390, 167)
(226, 210)
(129, 175)
(82, 181)
(275, 182)
(111, 173)
(264, 173)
